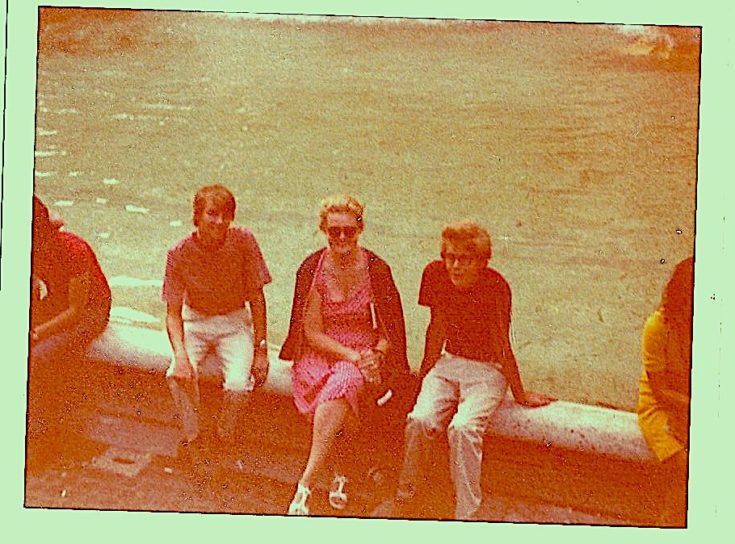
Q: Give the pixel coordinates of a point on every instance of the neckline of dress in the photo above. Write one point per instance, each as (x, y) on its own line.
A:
(354, 292)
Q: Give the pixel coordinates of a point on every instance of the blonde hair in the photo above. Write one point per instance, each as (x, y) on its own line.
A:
(340, 204)
(470, 235)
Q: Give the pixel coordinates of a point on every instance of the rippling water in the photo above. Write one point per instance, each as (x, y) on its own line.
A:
(574, 144)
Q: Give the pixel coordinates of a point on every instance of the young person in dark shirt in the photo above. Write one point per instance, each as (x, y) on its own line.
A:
(70, 307)
(467, 367)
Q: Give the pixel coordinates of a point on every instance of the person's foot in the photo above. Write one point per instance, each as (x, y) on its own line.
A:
(299, 506)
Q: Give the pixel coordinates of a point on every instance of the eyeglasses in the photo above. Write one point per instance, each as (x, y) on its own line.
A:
(336, 232)
(462, 260)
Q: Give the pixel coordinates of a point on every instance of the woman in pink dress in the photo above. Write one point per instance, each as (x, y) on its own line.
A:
(345, 343)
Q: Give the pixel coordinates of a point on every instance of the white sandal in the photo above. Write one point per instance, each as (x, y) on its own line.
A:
(337, 495)
(298, 505)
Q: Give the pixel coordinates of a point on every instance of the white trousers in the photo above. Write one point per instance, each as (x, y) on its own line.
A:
(459, 395)
(228, 337)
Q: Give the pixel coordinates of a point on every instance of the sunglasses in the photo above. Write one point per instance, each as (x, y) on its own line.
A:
(462, 260)
(336, 232)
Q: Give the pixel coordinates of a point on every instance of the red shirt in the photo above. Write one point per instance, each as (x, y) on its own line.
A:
(61, 258)
(478, 318)
(215, 281)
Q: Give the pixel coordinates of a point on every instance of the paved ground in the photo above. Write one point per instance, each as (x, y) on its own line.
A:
(253, 482)
(132, 465)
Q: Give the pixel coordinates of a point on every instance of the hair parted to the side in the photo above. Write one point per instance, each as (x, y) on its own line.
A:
(217, 194)
(470, 235)
(340, 204)
(677, 299)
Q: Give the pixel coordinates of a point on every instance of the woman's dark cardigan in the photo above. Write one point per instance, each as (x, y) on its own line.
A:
(387, 307)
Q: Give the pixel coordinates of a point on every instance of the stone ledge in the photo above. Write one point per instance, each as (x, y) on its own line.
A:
(571, 426)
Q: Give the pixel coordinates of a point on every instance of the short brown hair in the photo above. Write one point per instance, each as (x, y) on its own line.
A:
(217, 194)
(340, 204)
(471, 235)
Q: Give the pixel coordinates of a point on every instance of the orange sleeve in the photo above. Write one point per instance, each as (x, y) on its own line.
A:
(654, 344)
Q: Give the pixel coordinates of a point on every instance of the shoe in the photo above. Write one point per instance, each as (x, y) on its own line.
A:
(298, 505)
(337, 495)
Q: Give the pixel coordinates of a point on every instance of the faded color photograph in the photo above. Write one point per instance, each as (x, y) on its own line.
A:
(362, 267)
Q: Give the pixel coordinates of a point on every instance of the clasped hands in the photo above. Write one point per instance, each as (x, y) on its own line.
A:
(368, 361)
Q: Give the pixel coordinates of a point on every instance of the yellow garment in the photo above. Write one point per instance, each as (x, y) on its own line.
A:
(663, 352)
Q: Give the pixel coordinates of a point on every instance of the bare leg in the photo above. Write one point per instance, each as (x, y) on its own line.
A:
(329, 420)
(344, 446)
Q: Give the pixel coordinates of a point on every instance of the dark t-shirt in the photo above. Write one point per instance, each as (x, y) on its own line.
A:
(64, 257)
(215, 282)
(478, 318)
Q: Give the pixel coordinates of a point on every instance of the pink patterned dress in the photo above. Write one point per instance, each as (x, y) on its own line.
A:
(319, 377)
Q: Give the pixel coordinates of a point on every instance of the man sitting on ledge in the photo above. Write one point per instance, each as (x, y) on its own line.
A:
(462, 387)
(211, 276)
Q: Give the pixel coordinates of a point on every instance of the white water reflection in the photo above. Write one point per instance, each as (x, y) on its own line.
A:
(163, 106)
(127, 316)
(136, 209)
(49, 152)
(129, 281)
(130, 117)
(338, 18)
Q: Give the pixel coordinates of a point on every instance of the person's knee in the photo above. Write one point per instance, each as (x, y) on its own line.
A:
(238, 387)
(423, 421)
(471, 429)
(238, 379)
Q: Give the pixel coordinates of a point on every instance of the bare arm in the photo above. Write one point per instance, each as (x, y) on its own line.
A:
(314, 331)
(175, 331)
(78, 296)
(436, 335)
(260, 320)
(260, 335)
(529, 399)
(510, 365)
